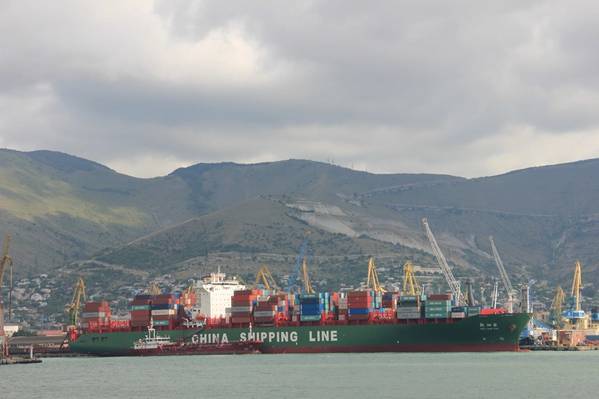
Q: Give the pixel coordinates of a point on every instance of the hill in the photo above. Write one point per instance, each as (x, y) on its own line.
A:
(62, 208)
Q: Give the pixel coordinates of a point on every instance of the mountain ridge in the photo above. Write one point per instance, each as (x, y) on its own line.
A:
(63, 208)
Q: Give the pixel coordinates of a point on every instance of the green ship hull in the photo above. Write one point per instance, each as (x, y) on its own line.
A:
(478, 333)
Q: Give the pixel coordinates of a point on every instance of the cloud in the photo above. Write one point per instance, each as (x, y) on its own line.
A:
(466, 87)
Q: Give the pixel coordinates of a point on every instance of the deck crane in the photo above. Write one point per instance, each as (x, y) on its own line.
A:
(557, 307)
(265, 278)
(507, 284)
(454, 285)
(410, 287)
(73, 308)
(6, 260)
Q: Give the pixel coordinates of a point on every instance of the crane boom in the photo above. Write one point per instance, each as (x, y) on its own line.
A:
(294, 279)
(410, 286)
(507, 284)
(557, 307)
(72, 309)
(454, 285)
(373, 277)
(577, 285)
(265, 278)
(306, 278)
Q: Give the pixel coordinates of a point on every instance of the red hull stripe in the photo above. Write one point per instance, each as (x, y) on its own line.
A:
(395, 348)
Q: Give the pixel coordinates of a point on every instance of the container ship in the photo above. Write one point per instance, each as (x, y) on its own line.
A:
(352, 321)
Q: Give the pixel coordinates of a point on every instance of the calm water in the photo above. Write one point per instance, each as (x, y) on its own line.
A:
(496, 375)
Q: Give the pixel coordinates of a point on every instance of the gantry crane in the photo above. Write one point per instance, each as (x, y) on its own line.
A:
(73, 308)
(5, 261)
(265, 278)
(454, 285)
(507, 284)
(410, 287)
(372, 282)
(557, 307)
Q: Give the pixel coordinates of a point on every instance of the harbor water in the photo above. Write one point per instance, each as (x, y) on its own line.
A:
(387, 375)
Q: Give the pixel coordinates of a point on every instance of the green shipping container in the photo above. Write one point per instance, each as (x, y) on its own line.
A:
(140, 307)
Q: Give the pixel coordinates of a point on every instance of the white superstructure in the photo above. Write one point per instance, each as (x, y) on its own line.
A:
(214, 294)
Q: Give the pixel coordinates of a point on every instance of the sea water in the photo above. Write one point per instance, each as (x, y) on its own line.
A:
(384, 375)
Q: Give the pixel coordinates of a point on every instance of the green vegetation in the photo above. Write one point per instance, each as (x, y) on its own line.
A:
(62, 208)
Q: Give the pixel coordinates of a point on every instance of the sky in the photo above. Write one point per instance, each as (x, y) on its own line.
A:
(469, 88)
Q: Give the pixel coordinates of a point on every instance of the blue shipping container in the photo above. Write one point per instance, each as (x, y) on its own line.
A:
(358, 311)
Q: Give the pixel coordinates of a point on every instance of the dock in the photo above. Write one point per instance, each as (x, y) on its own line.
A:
(18, 360)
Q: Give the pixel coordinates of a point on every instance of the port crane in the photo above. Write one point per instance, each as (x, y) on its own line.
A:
(507, 284)
(73, 308)
(300, 271)
(154, 289)
(372, 282)
(454, 285)
(265, 278)
(577, 285)
(5, 261)
(306, 278)
(557, 307)
(410, 286)
(495, 294)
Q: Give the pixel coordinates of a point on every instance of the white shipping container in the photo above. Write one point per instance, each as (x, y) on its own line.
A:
(163, 312)
(408, 316)
(93, 315)
(458, 315)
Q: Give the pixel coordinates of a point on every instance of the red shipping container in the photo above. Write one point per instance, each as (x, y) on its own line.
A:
(439, 297)
(359, 302)
(134, 313)
(264, 319)
(240, 319)
(241, 314)
(237, 302)
(358, 317)
(358, 294)
(96, 306)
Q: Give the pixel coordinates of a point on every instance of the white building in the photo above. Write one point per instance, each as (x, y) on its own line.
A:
(11, 329)
(214, 294)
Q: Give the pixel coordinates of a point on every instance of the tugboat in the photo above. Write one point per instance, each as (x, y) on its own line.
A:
(152, 341)
(161, 345)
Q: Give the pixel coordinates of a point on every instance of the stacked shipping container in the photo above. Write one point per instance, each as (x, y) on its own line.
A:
(437, 306)
(95, 315)
(311, 307)
(359, 305)
(408, 307)
(164, 310)
(242, 304)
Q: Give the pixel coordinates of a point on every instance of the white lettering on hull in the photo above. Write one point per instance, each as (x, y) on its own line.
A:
(278, 337)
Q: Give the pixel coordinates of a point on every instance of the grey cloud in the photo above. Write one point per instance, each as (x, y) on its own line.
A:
(393, 86)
